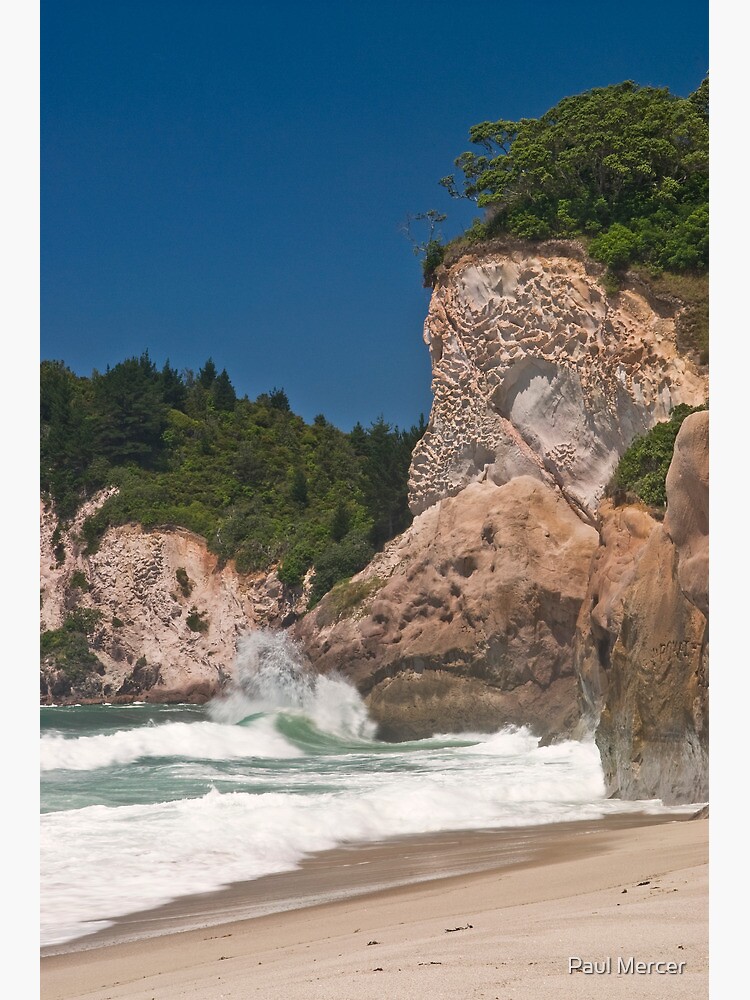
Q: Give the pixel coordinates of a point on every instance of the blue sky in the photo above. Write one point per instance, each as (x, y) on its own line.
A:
(228, 179)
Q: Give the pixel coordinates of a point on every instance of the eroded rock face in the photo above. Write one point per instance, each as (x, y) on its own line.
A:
(686, 522)
(653, 730)
(536, 371)
(623, 533)
(642, 645)
(467, 620)
(170, 616)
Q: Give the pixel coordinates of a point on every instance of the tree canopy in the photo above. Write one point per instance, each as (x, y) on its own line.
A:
(625, 165)
(261, 485)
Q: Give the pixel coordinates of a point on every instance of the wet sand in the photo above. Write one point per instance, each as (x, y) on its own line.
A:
(480, 914)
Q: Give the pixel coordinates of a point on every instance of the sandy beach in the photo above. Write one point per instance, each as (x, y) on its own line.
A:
(527, 903)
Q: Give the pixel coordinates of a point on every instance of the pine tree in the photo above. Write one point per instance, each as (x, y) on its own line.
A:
(222, 392)
(340, 522)
(207, 374)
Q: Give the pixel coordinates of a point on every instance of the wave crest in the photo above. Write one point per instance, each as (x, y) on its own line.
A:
(273, 676)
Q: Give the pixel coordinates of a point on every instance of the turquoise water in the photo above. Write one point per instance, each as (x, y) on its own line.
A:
(143, 804)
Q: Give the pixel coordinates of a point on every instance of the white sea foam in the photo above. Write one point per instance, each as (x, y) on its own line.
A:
(100, 862)
(165, 850)
(202, 740)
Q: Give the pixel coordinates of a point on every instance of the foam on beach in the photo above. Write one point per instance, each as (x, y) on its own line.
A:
(284, 766)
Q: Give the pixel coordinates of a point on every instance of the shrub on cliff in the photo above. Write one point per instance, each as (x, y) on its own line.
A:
(642, 470)
(626, 166)
(339, 562)
(68, 649)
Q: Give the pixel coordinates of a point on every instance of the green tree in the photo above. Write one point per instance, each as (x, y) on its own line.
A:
(222, 392)
(129, 415)
(207, 374)
(173, 389)
(385, 478)
(67, 438)
(279, 400)
(431, 249)
(627, 156)
(298, 490)
(340, 522)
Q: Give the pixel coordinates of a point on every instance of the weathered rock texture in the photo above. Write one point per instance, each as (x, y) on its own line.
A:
(467, 620)
(686, 522)
(536, 371)
(642, 646)
(146, 585)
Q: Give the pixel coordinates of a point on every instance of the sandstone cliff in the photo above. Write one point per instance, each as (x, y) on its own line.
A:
(537, 371)
(518, 596)
(169, 614)
(467, 620)
(642, 645)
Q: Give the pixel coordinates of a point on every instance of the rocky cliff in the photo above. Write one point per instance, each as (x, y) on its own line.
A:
(467, 620)
(166, 615)
(537, 371)
(518, 595)
(642, 643)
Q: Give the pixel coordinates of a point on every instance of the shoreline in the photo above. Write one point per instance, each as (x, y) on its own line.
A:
(357, 869)
(540, 873)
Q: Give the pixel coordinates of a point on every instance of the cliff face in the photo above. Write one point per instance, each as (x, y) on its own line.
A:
(642, 645)
(148, 589)
(467, 620)
(518, 596)
(536, 371)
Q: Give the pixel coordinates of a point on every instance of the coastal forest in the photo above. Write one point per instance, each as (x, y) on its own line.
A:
(260, 484)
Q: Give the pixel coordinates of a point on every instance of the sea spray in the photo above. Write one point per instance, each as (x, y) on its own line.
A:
(272, 675)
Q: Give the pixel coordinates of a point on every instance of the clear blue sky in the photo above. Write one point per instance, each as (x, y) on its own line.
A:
(227, 178)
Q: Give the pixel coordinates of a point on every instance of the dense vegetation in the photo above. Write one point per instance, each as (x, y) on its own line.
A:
(623, 167)
(642, 470)
(261, 485)
(69, 647)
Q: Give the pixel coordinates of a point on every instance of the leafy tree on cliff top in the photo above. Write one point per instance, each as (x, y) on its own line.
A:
(626, 165)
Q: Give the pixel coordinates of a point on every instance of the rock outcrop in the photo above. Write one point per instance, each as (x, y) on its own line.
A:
(642, 646)
(686, 522)
(536, 371)
(169, 615)
(541, 381)
(467, 620)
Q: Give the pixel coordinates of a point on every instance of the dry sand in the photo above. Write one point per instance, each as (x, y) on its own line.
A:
(507, 932)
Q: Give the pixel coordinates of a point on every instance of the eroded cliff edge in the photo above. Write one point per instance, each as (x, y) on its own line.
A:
(641, 651)
(164, 613)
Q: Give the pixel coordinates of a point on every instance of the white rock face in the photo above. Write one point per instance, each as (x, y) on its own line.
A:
(536, 371)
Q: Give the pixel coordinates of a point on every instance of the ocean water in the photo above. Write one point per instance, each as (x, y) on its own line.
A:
(143, 804)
